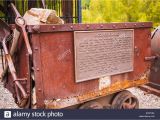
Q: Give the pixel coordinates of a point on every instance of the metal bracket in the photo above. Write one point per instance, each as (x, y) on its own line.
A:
(21, 25)
(18, 86)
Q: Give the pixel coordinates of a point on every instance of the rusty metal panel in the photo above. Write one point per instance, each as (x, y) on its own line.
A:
(56, 64)
(103, 53)
(88, 27)
(55, 79)
(38, 71)
(142, 48)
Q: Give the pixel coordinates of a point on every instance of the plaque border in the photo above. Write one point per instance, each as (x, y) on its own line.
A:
(100, 76)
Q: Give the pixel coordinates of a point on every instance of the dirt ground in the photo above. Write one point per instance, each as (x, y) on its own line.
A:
(146, 101)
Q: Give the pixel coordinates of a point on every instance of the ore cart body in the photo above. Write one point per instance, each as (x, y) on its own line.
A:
(56, 69)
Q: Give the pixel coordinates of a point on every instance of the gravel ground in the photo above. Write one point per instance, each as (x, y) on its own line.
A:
(6, 99)
(146, 101)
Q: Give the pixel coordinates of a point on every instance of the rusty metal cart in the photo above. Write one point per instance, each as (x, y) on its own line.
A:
(78, 65)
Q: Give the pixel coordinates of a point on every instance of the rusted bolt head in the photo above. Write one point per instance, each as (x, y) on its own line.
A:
(136, 48)
(39, 90)
(114, 26)
(71, 27)
(37, 69)
(36, 48)
(53, 27)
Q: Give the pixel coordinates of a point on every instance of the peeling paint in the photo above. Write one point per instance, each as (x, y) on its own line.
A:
(113, 88)
(104, 82)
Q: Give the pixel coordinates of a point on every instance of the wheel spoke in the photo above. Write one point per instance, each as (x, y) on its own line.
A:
(129, 105)
(125, 106)
(133, 105)
(130, 100)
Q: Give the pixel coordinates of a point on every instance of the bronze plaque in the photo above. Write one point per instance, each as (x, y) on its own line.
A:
(102, 53)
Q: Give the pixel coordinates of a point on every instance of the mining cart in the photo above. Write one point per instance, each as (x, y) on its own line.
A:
(80, 66)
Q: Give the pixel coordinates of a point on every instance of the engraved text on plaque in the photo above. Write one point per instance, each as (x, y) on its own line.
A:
(101, 53)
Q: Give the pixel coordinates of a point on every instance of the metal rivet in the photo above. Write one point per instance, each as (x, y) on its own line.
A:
(53, 27)
(37, 69)
(36, 48)
(71, 27)
(114, 26)
(39, 90)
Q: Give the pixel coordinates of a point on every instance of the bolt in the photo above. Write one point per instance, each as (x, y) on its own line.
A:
(37, 69)
(101, 26)
(114, 26)
(142, 24)
(36, 48)
(53, 27)
(71, 27)
(87, 26)
(135, 24)
(39, 90)
(125, 25)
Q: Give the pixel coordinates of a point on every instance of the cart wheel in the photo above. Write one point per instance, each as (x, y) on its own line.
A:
(125, 100)
(91, 105)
